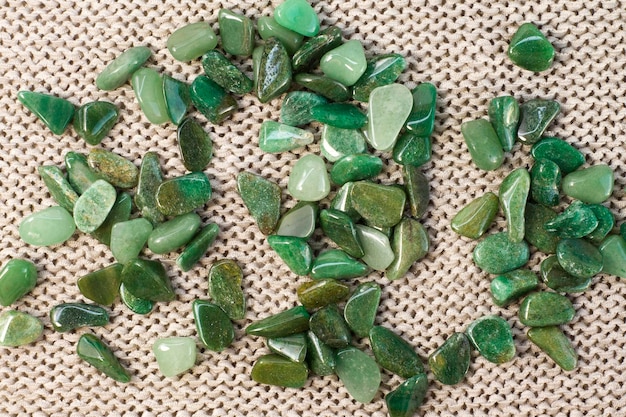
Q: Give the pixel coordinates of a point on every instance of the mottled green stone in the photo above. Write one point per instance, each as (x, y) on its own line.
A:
(475, 218)
(496, 254)
(421, 120)
(410, 244)
(18, 328)
(93, 206)
(308, 180)
(174, 233)
(118, 71)
(576, 221)
(194, 144)
(128, 239)
(451, 361)
(504, 117)
(324, 86)
(292, 347)
(407, 397)
(120, 212)
(367, 197)
(212, 100)
(225, 278)
(340, 228)
(47, 227)
(514, 191)
(555, 344)
(613, 250)
(337, 143)
(275, 137)
(355, 167)
(545, 182)
(360, 309)
(299, 221)
(592, 185)
(262, 198)
(69, 316)
(411, 149)
(17, 278)
(563, 154)
(507, 288)
(555, 277)
(236, 32)
(579, 257)
(536, 216)
(277, 370)
(337, 264)
(381, 70)
(313, 49)
(341, 115)
(183, 194)
(483, 144)
(59, 187)
(417, 190)
(319, 293)
(535, 116)
(102, 286)
(606, 221)
(94, 120)
(296, 107)
(113, 168)
(541, 309)
(359, 373)
(191, 41)
(530, 49)
(294, 251)
(388, 109)
(299, 16)
(346, 63)
(343, 202)
(93, 351)
(294, 320)
(394, 353)
(197, 247)
(215, 330)
(174, 355)
(268, 28)
(378, 254)
(177, 98)
(150, 177)
(492, 337)
(320, 357)
(135, 304)
(147, 279)
(225, 74)
(274, 76)
(148, 87)
(79, 173)
(329, 326)
(54, 112)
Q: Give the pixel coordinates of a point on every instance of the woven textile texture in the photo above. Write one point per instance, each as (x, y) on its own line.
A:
(59, 46)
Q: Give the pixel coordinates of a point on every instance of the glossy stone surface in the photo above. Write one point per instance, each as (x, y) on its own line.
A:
(404, 400)
(606, 222)
(93, 351)
(319, 293)
(274, 77)
(183, 194)
(150, 177)
(387, 111)
(118, 71)
(313, 49)
(276, 137)
(504, 117)
(299, 16)
(147, 279)
(622, 230)
(296, 107)
(128, 239)
(536, 216)
(545, 182)
(417, 190)
(294, 251)
(555, 277)
(367, 197)
(174, 355)
(381, 70)
(225, 74)
(378, 254)
(236, 33)
(496, 254)
(269, 28)
(576, 221)
(341, 115)
(451, 361)
(101, 286)
(328, 325)
(579, 257)
(394, 353)
(148, 87)
(340, 228)
(191, 41)
(212, 100)
(410, 244)
(491, 336)
(299, 221)
(93, 206)
(563, 154)
(483, 144)
(225, 277)
(613, 250)
(309, 179)
(592, 185)
(320, 357)
(346, 63)
(507, 288)
(530, 49)
(544, 308)
(120, 212)
(535, 116)
(177, 98)
(337, 264)
(514, 191)
(360, 309)
(358, 372)
(411, 149)
(55, 112)
(113, 168)
(47, 227)
(476, 217)
(277, 370)
(324, 86)
(294, 320)
(215, 330)
(174, 233)
(197, 247)
(337, 143)
(94, 120)
(59, 187)
(343, 201)
(195, 145)
(17, 278)
(69, 316)
(79, 173)
(556, 345)
(135, 304)
(262, 198)
(18, 328)
(292, 347)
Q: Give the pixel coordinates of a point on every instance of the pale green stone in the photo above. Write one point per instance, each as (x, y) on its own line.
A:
(47, 227)
(309, 179)
(591, 185)
(18, 328)
(337, 143)
(268, 28)
(299, 221)
(346, 63)
(378, 252)
(613, 250)
(299, 16)
(191, 41)
(277, 137)
(118, 71)
(483, 144)
(91, 208)
(148, 87)
(236, 32)
(359, 373)
(389, 107)
(174, 355)
(128, 239)
(174, 233)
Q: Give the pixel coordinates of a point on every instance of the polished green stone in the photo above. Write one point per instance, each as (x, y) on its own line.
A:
(314, 48)
(622, 230)
(579, 257)
(563, 154)
(337, 143)
(358, 372)
(309, 179)
(148, 87)
(346, 63)
(411, 149)
(59, 187)
(294, 251)
(451, 361)
(504, 117)
(341, 115)
(407, 397)
(256, 64)
(543, 308)
(174, 233)
(276, 137)
(135, 304)
(475, 218)
(79, 173)
(128, 239)
(592, 185)
(606, 221)
(118, 71)
(277, 370)
(496, 254)
(197, 247)
(147, 279)
(113, 168)
(225, 74)
(102, 286)
(292, 347)
(360, 309)
(367, 198)
(177, 98)
(394, 353)
(337, 264)
(343, 201)
(491, 336)
(225, 278)
(268, 28)
(69, 316)
(54, 112)
(410, 244)
(324, 86)
(320, 357)
(17, 278)
(536, 216)
(555, 344)
(576, 221)
(388, 109)
(94, 120)
(299, 221)
(340, 228)
(47, 227)
(150, 177)
(545, 182)
(421, 120)
(236, 32)
(507, 288)
(194, 144)
(299, 16)
(18, 328)
(514, 191)
(174, 355)
(417, 190)
(120, 212)
(191, 41)
(381, 70)
(296, 107)
(613, 250)
(483, 144)
(355, 167)
(535, 116)
(555, 277)
(319, 293)
(183, 194)
(262, 198)
(212, 100)
(215, 330)
(294, 320)
(93, 206)
(274, 76)
(378, 254)
(530, 49)
(93, 351)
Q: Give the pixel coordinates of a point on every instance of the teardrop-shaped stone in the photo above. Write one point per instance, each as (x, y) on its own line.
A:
(69, 316)
(378, 254)
(191, 41)
(483, 144)
(496, 254)
(225, 278)
(592, 185)
(212, 100)
(555, 277)
(309, 180)
(337, 143)
(411, 149)
(407, 397)
(118, 71)
(236, 33)
(174, 233)
(147, 279)
(296, 107)
(113, 168)
(294, 320)
(79, 173)
(148, 87)
(367, 198)
(59, 187)
(18, 328)
(563, 154)
(337, 264)
(544, 308)
(299, 16)
(94, 120)
(359, 373)
(150, 178)
(613, 250)
(507, 288)
(226, 74)
(394, 353)
(102, 286)
(177, 98)
(535, 116)
(215, 330)
(262, 198)
(135, 304)
(268, 28)
(292, 347)
(328, 325)
(47, 227)
(491, 336)
(294, 251)
(536, 216)
(195, 145)
(530, 49)
(55, 112)
(324, 86)
(197, 247)
(514, 191)
(545, 182)
(576, 221)
(606, 222)
(320, 293)
(275, 137)
(274, 71)
(93, 351)
(346, 63)
(340, 228)
(128, 239)
(341, 115)
(93, 206)
(277, 370)
(299, 221)
(417, 190)
(120, 212)
(381, 70)
(556, 345)
(504, 117)
(355, 167)
(320, 357)
(183, 194)
(451, 361)
(388, 109)
(343, 201)
(475, 218)
(360, 309)
(410, 244)
(17, 278)
(579, 257)
(313, 49)
(174, 355)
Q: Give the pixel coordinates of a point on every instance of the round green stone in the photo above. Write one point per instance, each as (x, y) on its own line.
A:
(47, 227)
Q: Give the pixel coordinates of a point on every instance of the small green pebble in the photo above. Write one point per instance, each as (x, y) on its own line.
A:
(309, 179)
(277, 370)
(195, 145)
(576, 221)
(54, 112)
(118, 71)
(274, 73)
(411, 149)
(212, 100)
(94, 120)
(225, 277)
(483, 144)
(475, 218)
(102, 286)
(592, 185)
(606, 222)
(197, 247)
(421, 120)
(613, 250)
(508, 287)
(17, 278)
(513, 194)
(128, 239)
(69, 316)
(150, 178)
(341, 115)
(174, 355)
(115, 169)
(496, 254)
(337, 143)
(120, 212)
(269, 28)
(320, 357)
(47, 227)
(292, 347)
(367, 197)
(147, 279)
(324, 86)
(236, 33)
(299, 16)
(388, 108)
(135, 304)
(535, 116)
(536, 216)
(360, 309)
(93, 206)
(394, 353)
(381, 70)
(504, 116)
(275, 137)
(417, 190)
(297, 105)
(93, 351)
(226, 74)
(177, 98)
(555, 277)
(563, 154)
(319, 293)
(183, 194)
(545, 182)
(378, 253)
(346, 63)
(543, 308)
(191, 41)
(340, 228)
(491, 336)
(79, 173)
(294, 251)
(18, 328)
(359, 373)
(294, 320)
(329, 326)
(59, 187)
(262, 198)
(148, 87)
(299, 221)
(337, 264)
(407, 397)
(174, 233)
(530, 49)
(214, 327)
(451, 361)
(555, 344)
(579, 257)
(410, 244)
(313, 49)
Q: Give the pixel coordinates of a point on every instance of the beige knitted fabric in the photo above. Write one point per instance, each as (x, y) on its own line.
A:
(59, 46)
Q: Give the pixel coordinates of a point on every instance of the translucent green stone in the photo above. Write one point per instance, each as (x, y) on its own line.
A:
(274, 77)
(394, 353)
(514, 191)
(299, 221)
(346, 63)
(135, 304)
(148, 87)
(529, 49)
(592, 185)
(606, 221)
(54, 112)
(337, 264)
(507, 288)
(341, 115)
(269, 28)
(492, 337)
(355, 167)
(358, 372)
(225, 278)
(388, 109)
(367, 197)
(79, 173)
(294, 320)
(262, 198)
(225, 74)
(543, 308)
(536, 217)
(555, 277)
(504, 117)
(118, 71)
(563, 154)
(313, 49)
(320, 293)
(18, 328)
(410, 244)
(328, 325)
(417, 190)
(256, 64)
(211, 100)
(483, 144)
(579, 257)
(496, 254)
(294, 251)
(120, 212)
(183, 194)
(93, 351)
(150, 178)
(309, 179)
(174, 355)
(475, 218)
(299, 16)
(320, 357)
(194, 144)
(148, 280)
(174, 233)
(197, 247)
(236, 33)
(93, 206)
(94, 120)
(69, 316)
(360, 309)
(337, 143)
(324, 86)
(276, 137)
(47, 227)
(555, 344)
(191, 41)
(381, 70)
(17, 278)
(545, 182)
(340, 228)
(102, 286)
(128, 239)
(421, 120)
(613, 250)
(535, 116)
(297, 105)
(343, 201)
(277, 370)
(451, 361)
(59, 187)
(576, 221)
(177, 98)
(113, 168)
(411, 149)
(407, 397)
(378, 254)
(292, 347)
(215, 329)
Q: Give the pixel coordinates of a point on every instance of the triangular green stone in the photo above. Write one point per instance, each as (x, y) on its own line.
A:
(296, 253)
(55, 112)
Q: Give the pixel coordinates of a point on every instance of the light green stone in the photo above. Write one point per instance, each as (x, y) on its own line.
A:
(18, 328)
(226, 74)
(320, 357)
(592, 185)
(294, 251)
(120, 212)
(294, 320)
(543, 308)
(128, 239)
(148, 87)
(183, 194)
(54, 112)
(514, 191)
(410, 244)
(118, 71)
(504, 117)
(309, 179)
(148, 280)
(451, 361)
(325, 86)
(358, 372)
(394, 353)
(360, 309)
(296, 107)
(299, 221)
(59, 187)
(475, 218)
(197, 247)
(337, 143)
(491, 336)
(320, 293)
(337, 264)
(407, 397)
(262, 198)
(93, 351)
(367, 198)
(613, 250)
(556, 345)
(177, 98)
(355, 167)
(79, 173)
(299, 16)
(114, 169)
(277, 370)
(195, 145)
(483, 144)
(150, 178)
(579, 257)
(496, 254)
(174, 355)
(214, 327)
(47, 227)
(212, 100)
(191, 41)
(268, 28)
(276, 137)
(274, 71)
(135, 304)
(225, 277)
(388, 109)
(94, 120)
(328, 325)
(292, 347)
(346, 63)
(236, 33)
(17, 278)
(421, 121)
(378, 253)
(417, 190)
(174, 233)
(340, 228)
(535, 117)
(555, 277)
(509, 287)
(93, 206)
(102, 286)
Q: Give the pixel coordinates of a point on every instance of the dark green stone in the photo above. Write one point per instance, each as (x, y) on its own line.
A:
(606, 221)
(451, 361)
(79, 173)
(536, 216)
(93, 121)
(59, 187)
(55, 112)
(410, 243)
(394, 353)
(135, 304)
(215, 330)
(535, 116)
(360, 309)
(343, 202)
(328, 325)
(492, 337)
(475, 218)
(195, 145)
(311, 51)
(197, 247)
(102, 286)
(355, 167)
(421, 120)
(555, 344)
(294, 251)
(576, 221)
(150, 178)
(496, 254)
(319, 293)
(177, 98)
(411, 149)
(341, 115)
(236, 32)
(381, 70)
(407, 397)
(563, 154)
(417, 190)
(530, 49)
(184, 194)
(262, 198)
(579, 257)
(504, 116)
(292, 347)
(115, 169)
(324, 86)
(507, 288)
(211, 100)
(367, 198)
(544, 308)
(120, 212)
(555, 277)
(294, 320)
(545, 182)
(274, 71)
(277, 370)
(148, 280)
(93, 351)
(340, 228)
(320, 357)
(337, 264)
(69, 316)
(225, 279)
(297, 105)
(514, 191)
(268, 28)
(225, 74)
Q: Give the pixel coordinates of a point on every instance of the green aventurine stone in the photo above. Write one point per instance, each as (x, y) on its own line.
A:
(18, 328)
(292, 347)
(59, 187)
(606, 221)
(294, 251)
(148, 87)
(174, 355)
(320, 357)
(387, 111)
(536, 216)
(483, 144)
(118, 71)
(360, 309)
(69, 316)
(236, 32)
(299, 221)
(120, 212)
(407, 397)
(135, 304)
(55, 112)
(579, 257)
(325, 86)
(225, 278)
(47, 227)
(507, 288)
(195, 145)
(128, 239)
(114, 169)
(496, 254)
(148, 280)
(544, 308)
(102, 286)
(451, 361)
(343, 202)
(545, 181)
(576, 221)
(555, 277)
(177, 98)
(274, 76)
(410, 244)
(197, 247)
(277, 370)
(337, 143)
(591, 185)
(380, 205)
(340, 228)
(17, 278)
(346, 63)
(174, 233)
(341, 115)
(530, 49)
(381, 70)
(275, 137)
(191, 41)
(93, 206)
(535, 116)
(262, 198)
(613, 250)
(504, 116)
(355, 167)
(313, 49)
(417, 190)
(492, 337)
(421, 120)
(394, 353)
(183, 194)
(513, 192)
(378, 254)
(412, 150)
(150, 177)
(299, 16)
(474, 219)
(79, 173)
(296, 107)
(309, 179)
(215, 329)
(555, 344)
(268, 28)
(329, 326)
(337, 264)
(225, 74)
(359, 373)
(256, 64)
(211, 100)
(294, 320)
(316, 294)
(563, 154)
(93, 351)
(93, 121)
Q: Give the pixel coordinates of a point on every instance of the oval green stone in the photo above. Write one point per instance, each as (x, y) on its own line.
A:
(591, 185)
(514, 192)
(262, 197)
(576, 221)
(536, 116)
(177, 98)
(563, 154)
(197, 247)
(530, 49)
(211, 100)
(337, 264)
(555, 344)
(148, 87)
(378, 254)
(328, 325)
(451, 361)
(407, 397)
(225, 278)
(69, 316)
(388, 109)
(226, 74)
(18, 328)
(394, 353)
(359, 373)
(55, 112)
(319, 293)
(475, 218)
(324, 86)
(320, 357)
(381, 70)
(191, 41)
(309, 179)
(128, 239)
(360, 309)
(47, 227)
(355, 167)
(341, 115)
(277, 370)
(483, 144)
(367, 197)
(545, 182)
(492, 337)
(536, 216)
(541, 309)
(555, 277)
(59, 187)
(299, 221)
(294, 320)
(504, 116)
(195, 145)
(118, 71)
(174, 233)
(236, 33)
(174, 355)
(509, 287)
(93, 121)
(135, 304)
(346, 63)
(148, 280)
(93, 351)
(268, 28)
(292, 347)
(299, 16)
(183, 194)
(613, 250)
(579, 257)
(411, 149)
(102, 286)
(313, 49)
(296, 107)
(93, 206)
(113, 168)
(17, 278)
(294, 251)
(215, 329)
(496, 254)
(410, 244)
(275, 137)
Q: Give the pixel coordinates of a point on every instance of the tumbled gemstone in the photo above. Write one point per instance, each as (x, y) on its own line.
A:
(504, 117)
(150, 177)
(277, 370)
(417, 190)
(292, 347)
(388, 109)
(147, 279)
(195, 145)
(536, 216)
(296, 107)
(275, 137)
(197, 247)
(94, 120)
(337, 264)
(329, 326)
(613, 250)
(319, 293)
(183, 194)
(225, 278)
(191, 41)
(591, 185)
(226, 74)
(177, 98)
(128, 239)
(313, 49)
(236, 32)
(215, 330)
(411, 149)
(483, 144)
(148, 87)
(268, 28)
(299, 16)
(545, 182)
(381, 70)
(93, 206)
(59, 187)
(475, 218)
(492, 337)
(18, 328)
(340, 228)
(343, 201)
(451, 361)
(17, 278)
(394, 353)
(337, 143)
(174, 355)
(294, 320)
(294, 251)
(47, 227)
(79, 173)
(113, 168)
(513, 192)
(346, 63)
(120, 212)
(211, 100)
(407, 397)
(93, 351)
(555, 344)
(378, 254)
(262, 198)
(69, 316)
(367, 198)
(576, 221)
(579, 257)
(358, 372)
(325, 86)
(544, 308)
(320, 357)
(421, 120)
(606, 221)
(496, 254)
(274, 76)
(507, 288)
(55, 112)
(309, 180)
(102, 286)
(174, 233)
(530, 49)
(360, 309)
(341, 115)
(299, 221)
(410, 244)
(135, 304)
(563, 154)
(535, 116)
(555, 277)
(118, 71)
(355, 167)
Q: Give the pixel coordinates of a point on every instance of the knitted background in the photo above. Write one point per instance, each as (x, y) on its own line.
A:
(59, 46)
